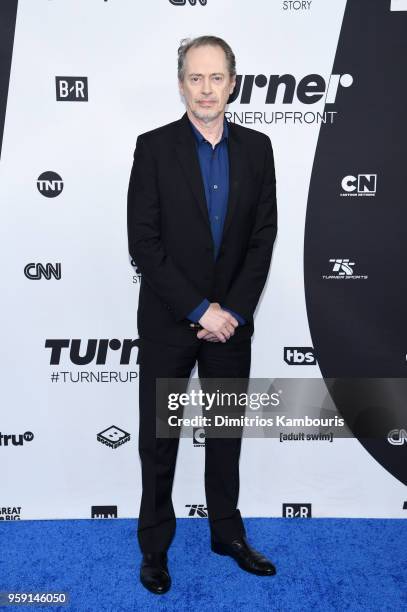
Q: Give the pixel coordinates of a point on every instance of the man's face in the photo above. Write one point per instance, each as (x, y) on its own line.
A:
(207, 85)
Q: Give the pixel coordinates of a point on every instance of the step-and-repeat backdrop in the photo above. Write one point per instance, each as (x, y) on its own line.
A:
(78, 82)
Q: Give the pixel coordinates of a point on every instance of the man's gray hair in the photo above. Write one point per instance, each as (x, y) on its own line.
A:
(200, 41)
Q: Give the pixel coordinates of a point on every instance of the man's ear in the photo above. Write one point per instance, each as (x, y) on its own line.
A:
(180, 87)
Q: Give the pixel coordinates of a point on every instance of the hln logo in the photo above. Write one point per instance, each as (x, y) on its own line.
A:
(198, 436)
(299, 355)
(71, 89)
(297, 510)
(103, 512)
(37, 271)
(198, 510)
(50, 184)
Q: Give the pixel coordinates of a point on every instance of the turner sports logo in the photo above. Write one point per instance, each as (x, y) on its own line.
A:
(50, 184)
(37, 271)
(361, 185)
(84, 352)
(343, 269)
(197, 510)
(16, 439)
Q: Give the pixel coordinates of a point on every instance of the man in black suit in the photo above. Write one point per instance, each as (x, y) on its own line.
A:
(202, 221)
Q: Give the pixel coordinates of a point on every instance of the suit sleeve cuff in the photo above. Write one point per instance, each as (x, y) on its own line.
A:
(241, 319)
(197, 313)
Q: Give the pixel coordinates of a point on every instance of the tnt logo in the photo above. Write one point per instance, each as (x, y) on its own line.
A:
(297, 510)
(35, 271)
(71, 89)
(198, 436)
(103, 512)
(299, 355)
(359, 186)
(197, 510)
(397, 437)
(50, 184)
(113, 436)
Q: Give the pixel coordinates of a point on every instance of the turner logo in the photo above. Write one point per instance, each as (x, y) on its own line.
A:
(50, 184)
(37, 271)
(297, 510)
(71, 89)
(113, 436)
(198, 510)
(359, 185)
(309, 90)
(397, 437)
(343, 269)
(15, 439)
(94, 350)
(299, 355)
(104, 512)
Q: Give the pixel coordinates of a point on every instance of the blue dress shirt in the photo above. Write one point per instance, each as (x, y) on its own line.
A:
(214, 163)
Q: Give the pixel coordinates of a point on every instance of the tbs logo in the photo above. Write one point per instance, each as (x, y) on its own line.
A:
(299, 355)
(297, 510)
(71, 89)
(360, 185)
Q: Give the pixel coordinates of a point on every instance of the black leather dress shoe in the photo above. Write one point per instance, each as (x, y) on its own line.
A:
(247, 558)
(154, 573)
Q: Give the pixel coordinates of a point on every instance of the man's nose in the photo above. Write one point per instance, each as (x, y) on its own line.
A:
(206, 86)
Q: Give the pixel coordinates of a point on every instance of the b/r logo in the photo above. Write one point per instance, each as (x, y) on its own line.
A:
(71, 89)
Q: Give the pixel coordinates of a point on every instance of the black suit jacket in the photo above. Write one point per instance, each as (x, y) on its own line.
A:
(169, 234)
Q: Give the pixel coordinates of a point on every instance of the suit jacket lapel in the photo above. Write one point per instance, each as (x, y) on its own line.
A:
(186, 151)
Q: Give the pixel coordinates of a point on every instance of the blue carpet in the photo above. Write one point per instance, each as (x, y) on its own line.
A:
(322, 564)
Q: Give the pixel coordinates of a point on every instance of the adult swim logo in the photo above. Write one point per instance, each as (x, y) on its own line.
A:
(50, 184)
(361, 185)
(342, 269)
(95, 352)
(71, 89)
(16, 439)
(113, 437)
(137, 273)
(36, 271)
(285, 90)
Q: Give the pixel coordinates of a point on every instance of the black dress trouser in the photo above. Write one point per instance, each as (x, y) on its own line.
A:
(156, 525)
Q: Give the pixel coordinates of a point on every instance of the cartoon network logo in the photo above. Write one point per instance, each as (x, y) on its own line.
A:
(359, 185)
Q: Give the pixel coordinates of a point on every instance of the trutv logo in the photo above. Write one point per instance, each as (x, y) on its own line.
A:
(16, 439)
(309, 90)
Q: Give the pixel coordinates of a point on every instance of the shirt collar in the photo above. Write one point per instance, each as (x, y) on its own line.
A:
(200, 138)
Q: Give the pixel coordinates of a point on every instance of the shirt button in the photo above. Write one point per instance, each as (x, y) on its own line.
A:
(215, 186)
